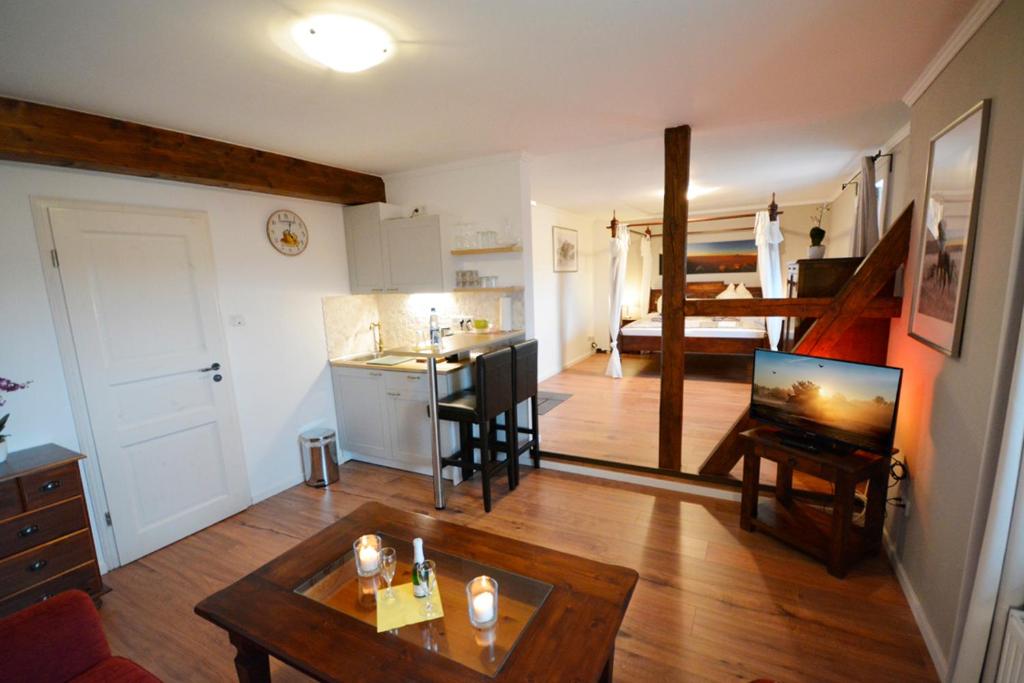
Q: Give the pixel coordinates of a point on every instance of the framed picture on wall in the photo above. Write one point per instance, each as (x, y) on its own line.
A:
(955, 162)
(566, 249)
(712, 258)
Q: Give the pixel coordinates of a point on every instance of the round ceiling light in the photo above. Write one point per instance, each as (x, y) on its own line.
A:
(345, 44)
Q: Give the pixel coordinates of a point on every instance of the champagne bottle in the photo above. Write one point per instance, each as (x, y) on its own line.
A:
(418, 589)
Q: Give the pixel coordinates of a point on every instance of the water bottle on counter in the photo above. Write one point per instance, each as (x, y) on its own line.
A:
(435, 328)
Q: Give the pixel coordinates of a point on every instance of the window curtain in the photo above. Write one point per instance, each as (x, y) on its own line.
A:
(646, 274)
(768, 236)
(865, 229)
(618, 250)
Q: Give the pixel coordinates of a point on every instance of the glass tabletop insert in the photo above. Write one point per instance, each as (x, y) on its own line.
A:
(453, 637)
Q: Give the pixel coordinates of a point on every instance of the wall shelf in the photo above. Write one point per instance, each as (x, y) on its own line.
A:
(507, 249)
(495, 290)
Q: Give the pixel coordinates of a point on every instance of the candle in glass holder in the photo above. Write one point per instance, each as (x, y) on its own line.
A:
(482, 601)
(366, 550)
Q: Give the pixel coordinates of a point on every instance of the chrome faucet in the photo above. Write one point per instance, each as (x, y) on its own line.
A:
(378, 338)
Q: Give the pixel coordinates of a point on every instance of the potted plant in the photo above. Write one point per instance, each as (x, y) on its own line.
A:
(817, 249)
(7, 386)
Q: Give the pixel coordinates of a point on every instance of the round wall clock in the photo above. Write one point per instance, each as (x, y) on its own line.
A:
(287, 232)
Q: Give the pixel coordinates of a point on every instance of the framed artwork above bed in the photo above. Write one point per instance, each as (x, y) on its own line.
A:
(718, 258)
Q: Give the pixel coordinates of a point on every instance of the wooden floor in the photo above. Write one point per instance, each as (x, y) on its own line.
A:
(713, 603)
(616, 420)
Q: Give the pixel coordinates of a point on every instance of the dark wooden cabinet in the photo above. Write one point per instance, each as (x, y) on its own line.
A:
(45, 539)
(867, 340)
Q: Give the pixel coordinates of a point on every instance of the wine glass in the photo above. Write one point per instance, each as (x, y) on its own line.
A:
(428, 579)
(388, 564)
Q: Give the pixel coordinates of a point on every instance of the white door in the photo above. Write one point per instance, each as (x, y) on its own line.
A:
(142, 302)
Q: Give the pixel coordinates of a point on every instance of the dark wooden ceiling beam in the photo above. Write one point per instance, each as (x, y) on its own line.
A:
(41, 134)
(884, 307)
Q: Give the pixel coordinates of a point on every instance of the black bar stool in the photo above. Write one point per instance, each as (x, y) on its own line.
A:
(492, 396)
(524, 371)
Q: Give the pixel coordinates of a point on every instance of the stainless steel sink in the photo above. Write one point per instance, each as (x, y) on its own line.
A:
(363, 357)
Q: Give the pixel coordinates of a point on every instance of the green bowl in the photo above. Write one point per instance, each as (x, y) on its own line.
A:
(481, 324)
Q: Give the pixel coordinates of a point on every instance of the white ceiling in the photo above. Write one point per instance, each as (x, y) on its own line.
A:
(782, 94)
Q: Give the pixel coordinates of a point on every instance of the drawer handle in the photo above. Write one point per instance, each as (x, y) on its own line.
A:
(37, 565)
(51, 485)
(376, 374)
(29, 530)
(393, 393)
(412, 378)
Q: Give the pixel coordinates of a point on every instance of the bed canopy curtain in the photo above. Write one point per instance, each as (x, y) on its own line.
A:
(768, 236)
(646, 271)
(618, 250)
(865, 230)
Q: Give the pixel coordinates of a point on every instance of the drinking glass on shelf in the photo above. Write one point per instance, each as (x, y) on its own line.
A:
(388, 564)
(428, 579)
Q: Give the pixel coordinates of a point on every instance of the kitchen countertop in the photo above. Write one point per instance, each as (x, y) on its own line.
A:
(411, 365)
(461, 342)
(455, 344)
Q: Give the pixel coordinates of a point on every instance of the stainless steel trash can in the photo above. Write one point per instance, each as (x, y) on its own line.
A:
(319, 457)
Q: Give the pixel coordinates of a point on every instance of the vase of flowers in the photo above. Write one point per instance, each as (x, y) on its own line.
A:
(7, 386)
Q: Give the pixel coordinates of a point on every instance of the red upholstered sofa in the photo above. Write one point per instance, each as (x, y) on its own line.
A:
(62, 640)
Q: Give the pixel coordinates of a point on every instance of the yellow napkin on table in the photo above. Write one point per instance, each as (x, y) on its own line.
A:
(405, 608)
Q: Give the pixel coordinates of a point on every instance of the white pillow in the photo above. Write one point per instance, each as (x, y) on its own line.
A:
(657, 305)
(728, 293)
(742, 292)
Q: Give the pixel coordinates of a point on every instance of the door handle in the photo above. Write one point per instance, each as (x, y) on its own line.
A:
(213, 368)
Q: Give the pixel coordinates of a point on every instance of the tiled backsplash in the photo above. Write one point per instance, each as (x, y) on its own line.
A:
(404, 317)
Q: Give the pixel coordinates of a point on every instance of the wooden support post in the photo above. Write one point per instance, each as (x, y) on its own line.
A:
(673, 297)
(39, 134)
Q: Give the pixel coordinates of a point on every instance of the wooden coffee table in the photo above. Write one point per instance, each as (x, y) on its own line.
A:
(558, 614)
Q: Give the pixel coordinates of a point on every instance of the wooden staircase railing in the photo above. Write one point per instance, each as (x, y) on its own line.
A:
(855, 300)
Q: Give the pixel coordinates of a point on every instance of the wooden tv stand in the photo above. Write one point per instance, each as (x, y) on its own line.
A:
(834, 539)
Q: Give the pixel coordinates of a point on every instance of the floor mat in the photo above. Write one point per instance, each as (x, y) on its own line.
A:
(549, 400)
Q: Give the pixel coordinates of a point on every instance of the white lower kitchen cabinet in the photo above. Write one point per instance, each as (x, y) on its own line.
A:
(383, 418)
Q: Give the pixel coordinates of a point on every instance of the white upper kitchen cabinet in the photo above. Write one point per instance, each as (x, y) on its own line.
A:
(388, 252)
(413, 256)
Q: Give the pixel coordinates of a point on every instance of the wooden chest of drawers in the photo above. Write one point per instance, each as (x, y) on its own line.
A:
(45, 540)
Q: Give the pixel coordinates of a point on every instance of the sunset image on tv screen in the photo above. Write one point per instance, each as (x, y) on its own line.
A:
(847, 402)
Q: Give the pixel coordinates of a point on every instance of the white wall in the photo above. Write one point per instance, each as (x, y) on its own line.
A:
(952, 409)
(278, 360)
(563, 302)
(489, 193)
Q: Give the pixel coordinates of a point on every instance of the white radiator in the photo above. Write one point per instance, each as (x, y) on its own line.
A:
(1011, 661)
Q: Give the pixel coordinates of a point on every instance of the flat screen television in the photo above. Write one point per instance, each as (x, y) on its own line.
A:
(820, 402)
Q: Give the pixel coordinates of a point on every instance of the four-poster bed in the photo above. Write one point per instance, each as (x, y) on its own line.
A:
(731, 335)
(720, 335)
